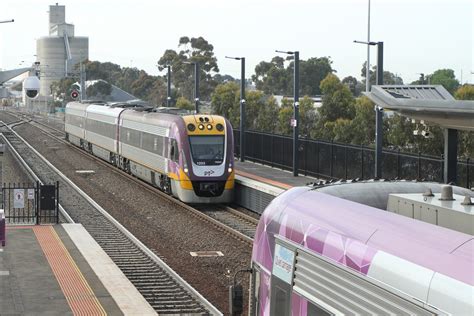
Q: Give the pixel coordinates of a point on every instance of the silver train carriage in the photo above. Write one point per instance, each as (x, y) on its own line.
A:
(188, 156)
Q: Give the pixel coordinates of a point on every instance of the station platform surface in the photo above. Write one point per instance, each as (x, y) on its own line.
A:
(61, 270)
(272, 176)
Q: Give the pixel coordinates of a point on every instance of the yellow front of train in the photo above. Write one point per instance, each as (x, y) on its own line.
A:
(206, 164)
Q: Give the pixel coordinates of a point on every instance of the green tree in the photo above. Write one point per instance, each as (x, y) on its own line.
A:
(363, 124)
(272, 77)
(312, 72)
(255, 102)
(285, 114)
(275, 78)
(132, 80)
(307, 116)
(225, 101)
(353, 84)
(465, 92)
(338, 101)
(342, 130)
(62, 89)
(388, 77)
(400, 132)
(446, 78)
(466, 139)
(194, 50)
(266, 116)
(99, 89)
(184, 103)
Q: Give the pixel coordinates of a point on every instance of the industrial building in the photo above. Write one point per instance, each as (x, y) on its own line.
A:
(61, 51)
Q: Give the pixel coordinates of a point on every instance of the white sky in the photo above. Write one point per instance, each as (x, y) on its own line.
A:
(419, 36)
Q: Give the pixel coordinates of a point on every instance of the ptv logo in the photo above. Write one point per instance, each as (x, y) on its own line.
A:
(208, 172)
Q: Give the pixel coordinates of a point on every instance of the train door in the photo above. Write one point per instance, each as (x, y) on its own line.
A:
(280, 297)
(281, 280)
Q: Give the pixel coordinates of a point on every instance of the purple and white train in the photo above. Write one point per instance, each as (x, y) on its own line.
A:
(188, 156)
(316, 254)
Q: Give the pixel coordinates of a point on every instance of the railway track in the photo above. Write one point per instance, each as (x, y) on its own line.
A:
(228, 219)
(165, 291)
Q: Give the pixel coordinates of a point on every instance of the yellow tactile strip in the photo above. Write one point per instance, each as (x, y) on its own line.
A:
(79, 295)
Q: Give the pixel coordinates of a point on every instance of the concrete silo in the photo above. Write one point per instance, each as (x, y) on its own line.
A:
(59, 52)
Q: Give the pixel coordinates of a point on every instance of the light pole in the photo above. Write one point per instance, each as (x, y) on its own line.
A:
(168, 89)
(196, 84)
(378, 109)
(367, 68)
(296, 104)
(242, 105)
(7, 21)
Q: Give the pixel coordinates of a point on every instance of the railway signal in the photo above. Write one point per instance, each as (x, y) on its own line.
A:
(74, 94)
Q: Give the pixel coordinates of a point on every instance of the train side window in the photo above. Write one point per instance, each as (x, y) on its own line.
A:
(174, 150)
(315, 310)
(280, 299)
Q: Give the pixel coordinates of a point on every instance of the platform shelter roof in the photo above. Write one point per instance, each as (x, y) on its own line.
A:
(428, 103)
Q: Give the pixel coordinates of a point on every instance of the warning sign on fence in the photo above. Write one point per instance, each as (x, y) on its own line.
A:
(31, 194)
(18, 198)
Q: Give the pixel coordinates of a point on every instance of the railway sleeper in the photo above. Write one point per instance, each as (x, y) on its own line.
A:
(165, 293)
(148, 276)
(177, 303)
(168, 310)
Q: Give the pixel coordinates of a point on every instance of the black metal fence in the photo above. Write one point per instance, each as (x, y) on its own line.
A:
(29, 203)
(325, 159)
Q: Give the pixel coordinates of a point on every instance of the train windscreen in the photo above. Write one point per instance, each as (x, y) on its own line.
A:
(207, 150)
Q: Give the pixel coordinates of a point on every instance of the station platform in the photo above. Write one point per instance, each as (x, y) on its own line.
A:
(61, 270)
(257, 185)
(272, 176)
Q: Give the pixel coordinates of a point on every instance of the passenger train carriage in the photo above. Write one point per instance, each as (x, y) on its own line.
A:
(316, 254)
(188, 156)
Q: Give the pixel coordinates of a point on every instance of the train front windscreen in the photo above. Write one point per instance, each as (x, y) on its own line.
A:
(207, 150)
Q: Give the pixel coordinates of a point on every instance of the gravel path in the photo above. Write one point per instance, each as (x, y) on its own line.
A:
(165, 228)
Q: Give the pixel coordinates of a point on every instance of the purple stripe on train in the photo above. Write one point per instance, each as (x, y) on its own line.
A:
(349, 252)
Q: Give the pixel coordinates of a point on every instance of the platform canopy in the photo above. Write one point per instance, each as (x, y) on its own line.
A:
(430, 103)
(9, 74)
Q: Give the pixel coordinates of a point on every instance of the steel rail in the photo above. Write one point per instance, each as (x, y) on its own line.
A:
(205, 303)
(198, 213)
(17, 155)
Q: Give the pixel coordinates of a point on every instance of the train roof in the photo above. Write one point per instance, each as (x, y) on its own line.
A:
(300, 213)
(375, 193)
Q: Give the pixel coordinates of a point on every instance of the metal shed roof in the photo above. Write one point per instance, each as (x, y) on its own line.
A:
(431, 103)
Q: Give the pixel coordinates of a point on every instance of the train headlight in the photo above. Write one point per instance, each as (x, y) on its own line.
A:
(209, 126)
(220, 127)
(191, 127)
(201, 127)
(230, 170)
(186, 170)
